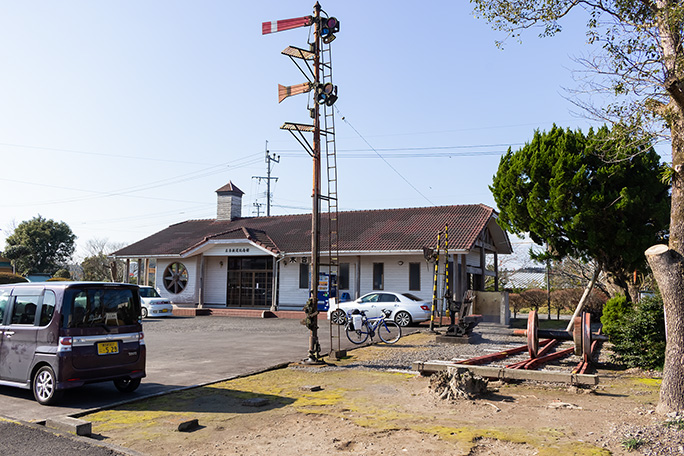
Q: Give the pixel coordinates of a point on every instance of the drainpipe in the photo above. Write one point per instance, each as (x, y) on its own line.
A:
(357, 292)
(276, 282)
(200, 297)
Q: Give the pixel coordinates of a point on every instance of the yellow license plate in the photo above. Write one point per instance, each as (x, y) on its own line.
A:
(107, 348)
(164, 311)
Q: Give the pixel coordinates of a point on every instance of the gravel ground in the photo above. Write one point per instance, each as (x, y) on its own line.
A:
(488, 339)
(665, 437)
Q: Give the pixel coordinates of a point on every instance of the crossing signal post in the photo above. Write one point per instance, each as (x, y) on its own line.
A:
(325, 94)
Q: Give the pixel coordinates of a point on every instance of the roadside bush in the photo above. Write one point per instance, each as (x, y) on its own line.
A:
(62, 274)
(614, 312)
(534, 298)
(8, 277)
(515, 303)
(639, 339)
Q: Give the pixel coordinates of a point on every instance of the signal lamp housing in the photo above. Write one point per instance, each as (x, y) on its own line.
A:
(327, 28)
(326, 94)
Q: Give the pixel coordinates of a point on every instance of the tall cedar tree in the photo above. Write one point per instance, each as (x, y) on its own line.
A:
(639, 60)
(557, 189)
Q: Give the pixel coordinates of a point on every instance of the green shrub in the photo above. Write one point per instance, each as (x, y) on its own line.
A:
(62, 274)
(8, 277)
(639, 339)
(614, 312)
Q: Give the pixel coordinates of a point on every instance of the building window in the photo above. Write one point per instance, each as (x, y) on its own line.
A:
(175, 278)
(378, 276)
(343, 277)
(414, 276)
(303, 276)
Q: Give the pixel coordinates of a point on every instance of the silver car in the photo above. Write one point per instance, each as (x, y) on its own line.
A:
(405, 308)
(153, 305)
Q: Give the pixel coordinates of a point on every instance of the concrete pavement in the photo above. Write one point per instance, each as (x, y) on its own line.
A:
(182, 352)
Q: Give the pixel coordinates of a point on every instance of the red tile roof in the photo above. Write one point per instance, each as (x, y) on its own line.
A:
(408, 229)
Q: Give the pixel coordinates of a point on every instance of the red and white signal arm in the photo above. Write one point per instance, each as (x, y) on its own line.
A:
(285, 24)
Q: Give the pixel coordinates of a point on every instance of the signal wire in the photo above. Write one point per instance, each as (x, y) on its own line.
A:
(383, 158)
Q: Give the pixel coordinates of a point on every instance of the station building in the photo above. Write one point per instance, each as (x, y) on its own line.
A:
(263, 262)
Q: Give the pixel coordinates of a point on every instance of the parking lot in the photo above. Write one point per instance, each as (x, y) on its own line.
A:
(183, 352)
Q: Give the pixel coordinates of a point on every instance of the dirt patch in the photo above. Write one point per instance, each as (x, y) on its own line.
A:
(367, 411)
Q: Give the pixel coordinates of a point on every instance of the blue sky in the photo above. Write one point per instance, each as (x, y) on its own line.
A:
(123, 117)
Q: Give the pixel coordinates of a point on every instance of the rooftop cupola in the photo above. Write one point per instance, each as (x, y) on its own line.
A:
(229, 202)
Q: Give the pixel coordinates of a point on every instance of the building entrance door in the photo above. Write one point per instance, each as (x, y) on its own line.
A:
(250, 282)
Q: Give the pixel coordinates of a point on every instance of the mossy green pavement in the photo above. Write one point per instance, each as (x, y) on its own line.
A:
(372, 411)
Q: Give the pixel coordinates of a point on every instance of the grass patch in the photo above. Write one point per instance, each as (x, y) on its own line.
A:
(521, 323)
(633, 443)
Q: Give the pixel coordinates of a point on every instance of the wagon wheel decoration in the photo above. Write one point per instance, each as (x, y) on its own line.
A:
(175, 278)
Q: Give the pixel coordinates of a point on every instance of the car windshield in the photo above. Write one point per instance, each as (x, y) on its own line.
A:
(149, 292)
(372, 297)
(89, 307)
(412, 297)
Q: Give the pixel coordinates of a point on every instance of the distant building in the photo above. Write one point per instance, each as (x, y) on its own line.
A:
(38, 277)
(5, 265)
(524, 278)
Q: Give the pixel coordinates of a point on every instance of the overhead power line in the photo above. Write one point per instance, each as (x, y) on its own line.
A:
(383, 159)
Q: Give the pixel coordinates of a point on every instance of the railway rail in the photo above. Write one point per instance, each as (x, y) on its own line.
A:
(540, 353)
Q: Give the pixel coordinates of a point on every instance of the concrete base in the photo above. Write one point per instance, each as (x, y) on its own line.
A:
(336, 355)
(68, 424)
(502, 373)
(190, 311)
(469, 339)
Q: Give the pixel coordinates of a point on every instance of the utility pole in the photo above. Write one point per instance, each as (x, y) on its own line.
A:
(319, 80)
(269, 158)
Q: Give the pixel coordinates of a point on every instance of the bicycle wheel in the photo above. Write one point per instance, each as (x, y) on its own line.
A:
(389, 331)
(358, 335)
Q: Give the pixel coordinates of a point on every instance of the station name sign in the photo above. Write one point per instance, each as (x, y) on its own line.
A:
(238, 250)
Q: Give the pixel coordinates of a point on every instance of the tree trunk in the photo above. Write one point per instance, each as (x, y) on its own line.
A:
(585, 295)
(668, 269)
(623, 285)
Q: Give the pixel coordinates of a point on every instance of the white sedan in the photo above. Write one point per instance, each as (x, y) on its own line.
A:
(405, 307)
(153, 305)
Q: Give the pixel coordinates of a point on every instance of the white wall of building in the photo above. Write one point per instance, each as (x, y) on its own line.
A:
(397, 275)
(290, 296)
(190, 294)
(396, 278)
(215, 280)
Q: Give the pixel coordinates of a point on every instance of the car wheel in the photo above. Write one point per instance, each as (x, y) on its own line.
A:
(402, 318)
(338, 317)
(127, 385)
(144, 312)
(45, 386)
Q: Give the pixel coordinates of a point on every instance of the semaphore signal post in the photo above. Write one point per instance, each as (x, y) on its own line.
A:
(316, 66)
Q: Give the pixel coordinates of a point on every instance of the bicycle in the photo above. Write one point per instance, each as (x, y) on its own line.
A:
(388, 331)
